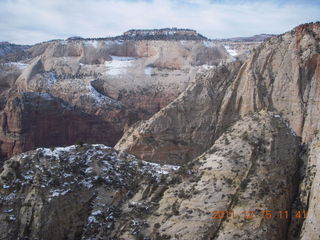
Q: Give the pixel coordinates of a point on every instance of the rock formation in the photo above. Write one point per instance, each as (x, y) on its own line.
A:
(242, 139)
(119, 80)
(282, 75)
(13, 52)
(92, 191)
(30, 120)
(75, 192)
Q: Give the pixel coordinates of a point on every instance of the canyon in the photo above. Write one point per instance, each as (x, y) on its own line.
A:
(165, 128)
(116, 80)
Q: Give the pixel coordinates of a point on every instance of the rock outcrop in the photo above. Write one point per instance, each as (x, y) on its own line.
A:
(243, 139)
(32, 119)
(307, 199)
(76, 192)
(310, 193)
(281, 75)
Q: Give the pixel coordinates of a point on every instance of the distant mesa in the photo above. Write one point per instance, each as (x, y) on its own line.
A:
(152, 34)
(75, 38)
(164, 34)
(255, 38)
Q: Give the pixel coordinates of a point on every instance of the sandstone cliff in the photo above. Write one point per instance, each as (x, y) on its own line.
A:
(119, 80)
(310, 192)
(30, 120)
(94, 191)
(281, 75)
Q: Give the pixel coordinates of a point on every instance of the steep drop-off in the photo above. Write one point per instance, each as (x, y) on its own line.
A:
(120, 80)
(30, 120)
(92, 191)
(281, 75)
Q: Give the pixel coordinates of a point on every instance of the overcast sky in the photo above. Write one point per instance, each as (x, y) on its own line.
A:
(31, 21)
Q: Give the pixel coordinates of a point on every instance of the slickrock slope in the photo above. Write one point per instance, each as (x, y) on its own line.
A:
(251, 167)
(31, 120)
(93, 191)
(282, 75)
(186, 127)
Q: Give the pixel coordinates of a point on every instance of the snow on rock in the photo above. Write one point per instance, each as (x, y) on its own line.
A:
(18, 65)
(118, 65)
(113, 42)
(148, 71)
(51, 78)
(207, 67)
(209, 44)
(93, 43)
(94, 175)
(232, 52)
(101, 99)
(62, 170)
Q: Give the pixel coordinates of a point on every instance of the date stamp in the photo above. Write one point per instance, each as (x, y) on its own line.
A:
(264, 214)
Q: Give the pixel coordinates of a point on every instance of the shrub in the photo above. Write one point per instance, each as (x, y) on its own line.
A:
(80, 143)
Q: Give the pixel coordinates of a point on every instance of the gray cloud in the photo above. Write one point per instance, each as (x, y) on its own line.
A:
(31, 21)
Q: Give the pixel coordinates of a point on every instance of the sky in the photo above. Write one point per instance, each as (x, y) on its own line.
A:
(32, 21)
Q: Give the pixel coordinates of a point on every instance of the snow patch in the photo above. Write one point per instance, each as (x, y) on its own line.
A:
(19, 65)
(96, 213)
(159, 169)
(207, 67)
(8, 211)
(92, 219)
(59, 192)
(148, 71)
(118, 65)
(115, 42)
(93, 43)
(232, 52)
(51, 78)
(209, 44)
(100, 99)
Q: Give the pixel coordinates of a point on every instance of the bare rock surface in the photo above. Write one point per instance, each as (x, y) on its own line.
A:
(308, 196)
(281, 75)
(120, 80)
(75, 192)
(93, 191)
(311, 226)
(32, 119)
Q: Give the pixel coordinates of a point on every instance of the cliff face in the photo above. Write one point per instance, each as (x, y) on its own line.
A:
(30, 120)
(282, 75)
(13, 52)
(163, 34)
(310, 193)
(243, 134)
(118, 80)
(94, 191)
